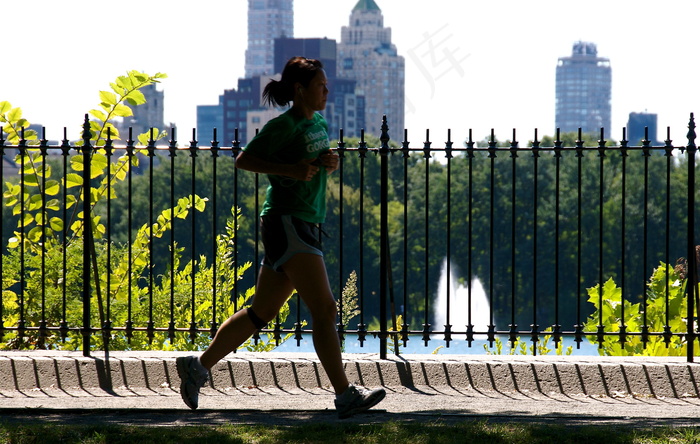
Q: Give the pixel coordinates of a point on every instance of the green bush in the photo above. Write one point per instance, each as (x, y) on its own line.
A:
(664, 310)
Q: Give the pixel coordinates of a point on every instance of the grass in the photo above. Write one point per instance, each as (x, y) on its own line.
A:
(471, 432)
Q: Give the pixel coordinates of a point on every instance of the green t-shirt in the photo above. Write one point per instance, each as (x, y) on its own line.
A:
(288, 139)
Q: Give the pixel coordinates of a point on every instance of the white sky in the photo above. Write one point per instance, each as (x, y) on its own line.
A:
(57, 55)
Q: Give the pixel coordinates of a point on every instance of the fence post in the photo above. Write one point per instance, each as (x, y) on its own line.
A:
(691, 284)
(87, 236)
(383, 238)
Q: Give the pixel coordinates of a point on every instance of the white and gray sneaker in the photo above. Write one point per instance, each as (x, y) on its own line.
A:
(356, 400)
(193, 376)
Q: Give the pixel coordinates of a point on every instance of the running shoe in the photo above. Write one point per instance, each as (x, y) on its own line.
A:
(193, 376)
(356, 400)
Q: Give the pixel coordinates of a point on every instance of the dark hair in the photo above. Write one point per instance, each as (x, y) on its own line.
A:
(297, 70)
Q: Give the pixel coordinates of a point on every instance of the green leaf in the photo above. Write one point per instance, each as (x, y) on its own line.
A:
(135, 97)
(74, 180)
(76, 162)
(71, 200)
(124, 82)
(13, 242)
(14, 115)
(200, 203)
(164, 217)
(98, 114)
(52, 187)
(5, 107)
(28, 219)
(29, 134)
(144, 138)
(39, 218)
(94, 194)
(30, 180)
(120, 169)
(117, 88)
(12, 189)
(140, 261)
(34, 202)
(111, 130)
(108, 98)
(138, 77)
(53, 204)
(95, 127)
(98, 165)
(77, 226)
(121, 110)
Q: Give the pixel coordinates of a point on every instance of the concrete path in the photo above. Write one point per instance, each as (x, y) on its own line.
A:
(276, 388)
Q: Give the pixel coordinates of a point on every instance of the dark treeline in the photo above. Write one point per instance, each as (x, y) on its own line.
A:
(514, 222)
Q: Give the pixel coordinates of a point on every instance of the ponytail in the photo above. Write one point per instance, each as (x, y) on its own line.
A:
(278, 93)
(297, 70)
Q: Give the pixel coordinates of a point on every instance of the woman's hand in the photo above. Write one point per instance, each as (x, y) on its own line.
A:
(329, 160)
(307, 168)
(304, 170)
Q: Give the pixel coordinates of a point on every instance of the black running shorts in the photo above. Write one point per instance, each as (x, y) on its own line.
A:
(285, 236)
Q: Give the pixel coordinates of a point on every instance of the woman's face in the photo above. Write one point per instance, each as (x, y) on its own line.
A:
(315, 95)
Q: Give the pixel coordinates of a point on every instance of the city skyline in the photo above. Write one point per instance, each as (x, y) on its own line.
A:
(471, 65)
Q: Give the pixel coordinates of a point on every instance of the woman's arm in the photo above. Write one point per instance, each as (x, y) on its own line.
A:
(302, 170)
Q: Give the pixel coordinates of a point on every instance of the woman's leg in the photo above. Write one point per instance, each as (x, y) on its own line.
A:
(307, 273)
(271, 292)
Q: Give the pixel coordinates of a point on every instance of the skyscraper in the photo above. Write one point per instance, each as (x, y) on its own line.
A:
(366, 54)
(583, 90)
(636, 125)
(267, 20)
(210, 117)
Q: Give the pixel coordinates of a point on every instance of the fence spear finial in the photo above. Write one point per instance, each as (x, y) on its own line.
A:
(691, 132)
(384, 138)
(87, 135)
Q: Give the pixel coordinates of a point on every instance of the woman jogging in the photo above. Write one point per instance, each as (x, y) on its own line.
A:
(293, 150)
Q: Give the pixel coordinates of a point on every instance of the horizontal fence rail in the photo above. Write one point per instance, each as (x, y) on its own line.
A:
(140, 247)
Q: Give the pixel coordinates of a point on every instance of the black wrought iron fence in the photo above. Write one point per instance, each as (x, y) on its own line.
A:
(513, 242)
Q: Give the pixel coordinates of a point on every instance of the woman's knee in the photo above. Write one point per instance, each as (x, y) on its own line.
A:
(325, 311)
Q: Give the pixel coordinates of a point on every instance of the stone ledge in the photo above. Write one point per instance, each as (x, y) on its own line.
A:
(592, 376)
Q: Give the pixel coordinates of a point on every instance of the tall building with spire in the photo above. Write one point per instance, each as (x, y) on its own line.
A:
(267, 20)
(366, 54)
(583, 90)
